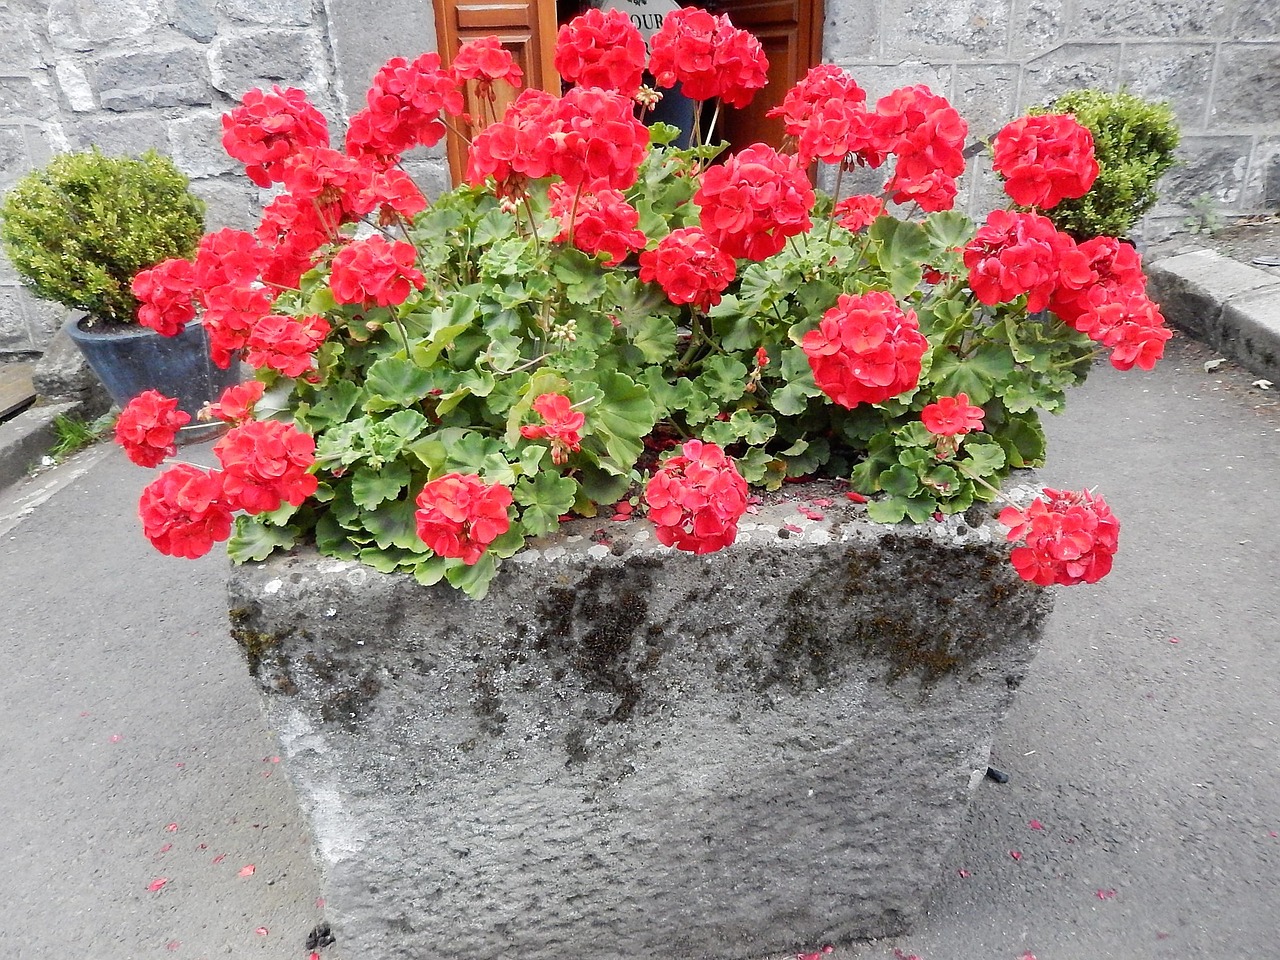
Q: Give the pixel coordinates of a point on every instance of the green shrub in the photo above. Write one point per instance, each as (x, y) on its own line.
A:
(80, 228)
(1134, 140)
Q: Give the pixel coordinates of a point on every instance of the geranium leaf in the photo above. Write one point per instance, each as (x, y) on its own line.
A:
(545, 498)
(623, 417)
(394, 382)
(371, 487)
(251, 539)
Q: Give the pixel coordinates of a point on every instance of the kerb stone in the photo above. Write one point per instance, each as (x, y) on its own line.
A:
(653, 753)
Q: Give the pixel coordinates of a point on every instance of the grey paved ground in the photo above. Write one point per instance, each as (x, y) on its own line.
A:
(1153, 766)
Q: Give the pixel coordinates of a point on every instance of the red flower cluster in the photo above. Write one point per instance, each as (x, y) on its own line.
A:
(231, 313)
(375, 271)
(951, 416)
(265, 463)
(927, 135)
(184, 512)
(696, 499)
(865, 349)
(1094, 272)
(688, 267)
(590, 137)
(561, 424)
(599, 222)
(855, 213)
(487, 61)
(1131, 325)
(1069, 538)
(293, 232)
(459, 516)
(826, 115)
(268, 128)
(753, 201)
(236, 403)
(166, 295)
(228, 256)
(287, 344)
(709, 57)
(1045, 159)
(602, 48)
(148, 428)
(403, 109)
(1015, 253)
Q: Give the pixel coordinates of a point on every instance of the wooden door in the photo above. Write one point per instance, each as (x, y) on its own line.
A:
(791, 33)
(526, 27)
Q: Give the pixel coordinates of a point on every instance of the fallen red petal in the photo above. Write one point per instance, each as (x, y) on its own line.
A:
(166, 848)
(828, 948)
(1035, 824)
(1161, 935)
(816, 955)
(1173, 639)
(964, 874)
(1272, 833)
(173, 945)
(856, 497)
(262, 931)
(171, 827)
(904, 956)
(219, 858)
(313, 956)
(1016, 854)
(319, 903)
(1105, 894)
(792, 528)
(822, 501)
(203, 846)
(179, 764)
(156, 884)
(247, 870)
(116, 738)
(1028, 956)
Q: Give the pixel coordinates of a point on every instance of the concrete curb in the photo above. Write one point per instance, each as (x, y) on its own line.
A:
(28, 437)
(1230, 305)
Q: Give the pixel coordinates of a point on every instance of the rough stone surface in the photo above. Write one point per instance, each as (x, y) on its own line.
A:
(62, 375)
(657, 754)
(1069, 67)
(850, 31)
(290, 12)
(259, 58)
(362, 44)
(1256, 19)
(28, 437)
(229, 202)
(128, 135)
(1037, 26)
(1207, 167)
(153, 78)
(985, 95)
(1150, 18)
(1177, 72)
(1248, 89)
(923, 27)
(196, 140)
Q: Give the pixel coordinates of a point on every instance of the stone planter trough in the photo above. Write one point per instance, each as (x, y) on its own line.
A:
(629, 752)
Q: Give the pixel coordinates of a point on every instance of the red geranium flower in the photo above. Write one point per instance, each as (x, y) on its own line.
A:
(927, 135)
(951, 416)
(1131, 324)
(265, 463)
(148, 427)
(855, 213)
(291, 232)
(708, 56)
(1097, 271)
(596, 138)
(865, 349)
(228, 256)
(603, 222)
(822, 85)
(287, 344)
(1012, 254)
(231, 313)
(487, 61)
(1045, 159)
(403, 109)
(688, 267)
(561, 424)
(268, 128)
(166, 296)
(1068, 537)
(602, 48)
(753, 201)
(696, 498)
(459, 516)
(374, 271)
(184, 513)
(518, 146)
(236, 403)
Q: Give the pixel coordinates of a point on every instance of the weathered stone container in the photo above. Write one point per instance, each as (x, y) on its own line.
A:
(629, 752)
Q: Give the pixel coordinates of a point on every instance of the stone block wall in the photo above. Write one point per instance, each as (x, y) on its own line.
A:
(132, 74)
(1216, 61)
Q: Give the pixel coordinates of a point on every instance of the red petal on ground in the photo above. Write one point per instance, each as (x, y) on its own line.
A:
(173, 945)
(904, 956)
(816, 955)
(828, 948)
(219, 858)
(1035, 824)
(166, 848)
(262, 931)
(856, 497)
(171, 827)
(203, 846)
(1105, 894)
(247, 870)
(319, 903)
(1272, 833)
(179, 764)
(156, 884)
(964, 874)
(822, 501)
(1161, 935)
(1016, 854)
(792, 528)
(1173, 639)
(116, 738)
(811, 514)
(313, 956)
(1028, 956)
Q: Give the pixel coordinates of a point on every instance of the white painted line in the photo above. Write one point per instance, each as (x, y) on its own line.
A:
(58, 478)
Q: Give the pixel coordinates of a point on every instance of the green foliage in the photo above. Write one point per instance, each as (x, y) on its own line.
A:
(1134, 142)
(80, 228)
(71, 434)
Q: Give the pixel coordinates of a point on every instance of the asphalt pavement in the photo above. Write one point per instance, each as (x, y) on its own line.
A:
(140, 783)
